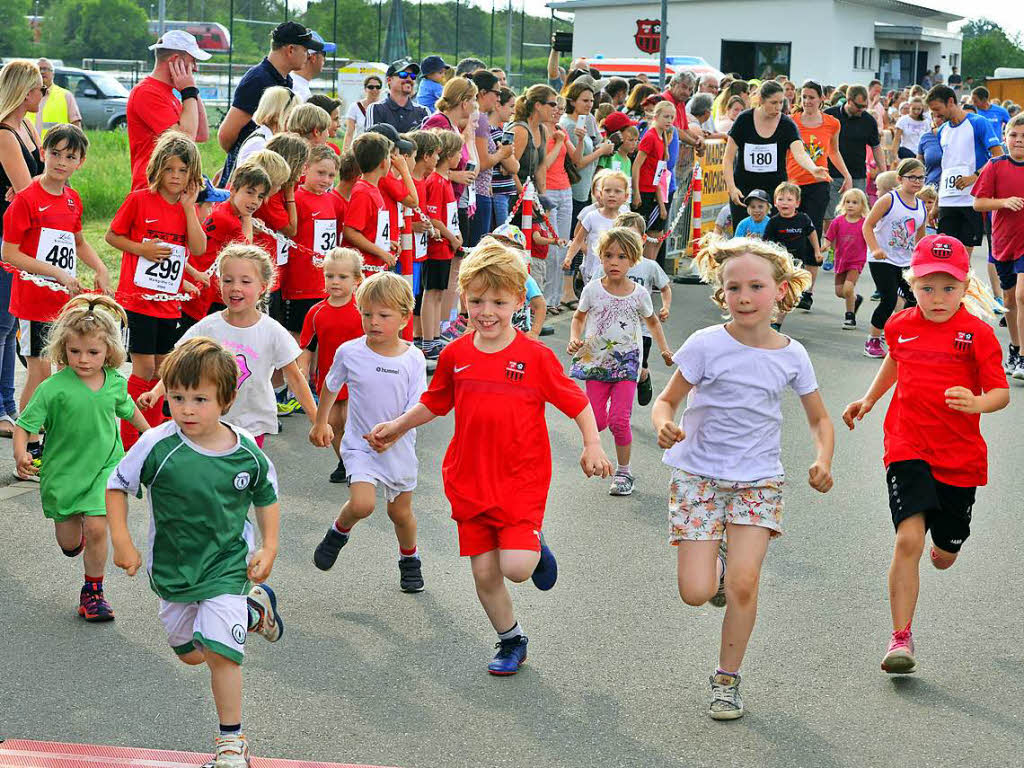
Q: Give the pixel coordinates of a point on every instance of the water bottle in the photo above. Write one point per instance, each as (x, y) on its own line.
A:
(829, 260)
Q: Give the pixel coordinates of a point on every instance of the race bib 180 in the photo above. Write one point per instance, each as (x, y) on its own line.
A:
(760, 158)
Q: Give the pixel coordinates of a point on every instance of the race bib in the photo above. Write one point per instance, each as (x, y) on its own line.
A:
(164, 276)
(383, 240)
(760, 158)
(950, 176)
(471, 195)
(659, 171)
(325, 235)
(617, 164)
(57, 248)
(420, 242)
(453, 219)
(282, 250)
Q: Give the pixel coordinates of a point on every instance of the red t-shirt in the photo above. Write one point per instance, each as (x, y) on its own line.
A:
(152, 108)
(274, 214)
(654, 146)
(931, 358)
(501, 434)
(1002, 177)
(681, 122)
(33, 210)
(420, 240)
(439, 204)
(222, 228)
(393, 190)
(318, 225)
(145, 215)
(367, 214)
(325, 329)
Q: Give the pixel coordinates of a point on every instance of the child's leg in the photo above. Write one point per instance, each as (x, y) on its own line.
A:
(448, 304)
(491, 590)
(401, 514)
(94, 528)
(904, 572)
(1019, 301)
(850, 289)
(620, 409)
(361, 500)
(645, 372)
(698, 570)
(70, 535)
(431, 314)
(599, 392)
(226, 682)
(887, 280)
(1010, 303)
(337, 418)
(39, 369)
(747, 547)
(840, 284)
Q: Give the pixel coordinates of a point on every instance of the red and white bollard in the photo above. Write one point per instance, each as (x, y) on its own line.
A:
(698, 186)
(527, 223)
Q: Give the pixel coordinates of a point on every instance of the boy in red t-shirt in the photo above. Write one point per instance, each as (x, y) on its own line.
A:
(425, 161)
(1000, 189)
(367, 221)
(946, 365)
(397, 186)
(42, 235)
(328, 325)
(498, 466)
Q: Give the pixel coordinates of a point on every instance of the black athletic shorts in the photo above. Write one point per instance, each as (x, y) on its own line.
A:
(151, 335)
(184, 323)
(814, 202)
(32, 337)
(435, 274)
(946, 508)
(295, 311)
(651, 213)
(275, 307)
(962, 222)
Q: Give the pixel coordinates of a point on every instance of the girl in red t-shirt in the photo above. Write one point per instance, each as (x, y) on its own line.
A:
(650, 192)
(155, 229)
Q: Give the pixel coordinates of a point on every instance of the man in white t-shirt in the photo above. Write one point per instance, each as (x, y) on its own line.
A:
(314, 65)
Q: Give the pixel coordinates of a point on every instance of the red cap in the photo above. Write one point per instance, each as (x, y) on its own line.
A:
(616, 121)
(940, 253)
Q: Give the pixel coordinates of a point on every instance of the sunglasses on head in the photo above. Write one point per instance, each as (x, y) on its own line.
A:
(405, 75)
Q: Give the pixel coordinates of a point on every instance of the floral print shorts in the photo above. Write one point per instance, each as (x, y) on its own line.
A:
(699, 507)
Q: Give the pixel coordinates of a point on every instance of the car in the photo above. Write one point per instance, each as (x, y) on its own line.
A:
(102, 100)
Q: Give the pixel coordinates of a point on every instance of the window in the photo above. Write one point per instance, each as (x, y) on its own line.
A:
(755, 59)
(863, 58)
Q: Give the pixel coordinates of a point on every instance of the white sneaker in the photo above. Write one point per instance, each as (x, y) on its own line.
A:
(726, 703)
(1018, 371)
(232, 752)
(262, 599)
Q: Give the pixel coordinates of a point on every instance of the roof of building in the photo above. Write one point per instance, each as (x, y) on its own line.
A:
(897, 6)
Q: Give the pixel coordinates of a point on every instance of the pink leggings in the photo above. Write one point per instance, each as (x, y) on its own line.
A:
(612, 402)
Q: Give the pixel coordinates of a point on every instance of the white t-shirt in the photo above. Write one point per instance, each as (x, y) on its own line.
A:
(912, 130)
(649, 274)
(355, 113)
(594, 223)
(733, 416)
(260, 350)
(379, 389)
(253, 143)
(612, 347)
(300, 87)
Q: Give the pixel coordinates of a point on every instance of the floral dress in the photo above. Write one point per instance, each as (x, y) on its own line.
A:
(612, 346)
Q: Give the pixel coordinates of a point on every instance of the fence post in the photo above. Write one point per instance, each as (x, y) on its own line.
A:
(527, 222)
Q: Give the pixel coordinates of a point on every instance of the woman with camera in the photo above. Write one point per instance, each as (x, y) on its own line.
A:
(493, 153)
(503, 183)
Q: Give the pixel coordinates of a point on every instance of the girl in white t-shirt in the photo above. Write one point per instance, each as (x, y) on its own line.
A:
(613, 189)
(259, 343)
(727, 477)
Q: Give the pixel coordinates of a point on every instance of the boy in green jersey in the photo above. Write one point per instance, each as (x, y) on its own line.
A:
(202, 476)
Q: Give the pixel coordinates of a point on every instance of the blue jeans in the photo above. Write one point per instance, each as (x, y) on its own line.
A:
(481, 224)
(8, 341)
(501, 204)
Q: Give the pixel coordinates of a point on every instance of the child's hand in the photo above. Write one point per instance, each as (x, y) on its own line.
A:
(191, 287)
(321, 435)
(146, 400)
(962, 399)
(261, 563)
(383, 436)
(663, 314)
(127, 557)
(562, 242)
(70, 282)
(395, 248)
(856, 411)
(819, 477)
(879, 254)
(594, 462)
(154, 250)
(666, 355)
(566, 263)
(189, 196)
(670, 434)
(574, 346)
(25, 465)
(662, 211)
(1013, 203)
(202, 278)
(102, 282)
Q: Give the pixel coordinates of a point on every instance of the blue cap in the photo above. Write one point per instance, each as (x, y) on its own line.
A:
(211, 194)
(433, 64)
(328, 47)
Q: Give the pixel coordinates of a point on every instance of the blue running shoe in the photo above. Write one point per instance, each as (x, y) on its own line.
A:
(546, 573)
(510, 657)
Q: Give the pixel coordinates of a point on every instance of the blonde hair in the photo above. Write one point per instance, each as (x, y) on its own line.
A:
(350, 255)
(272, 164)
(265, 268)
(87, 315)
(202, 358)
(496, 266)
(859, 196)
(927, 193)
(307, 119)
(978, 299)
(885, 182)
(275, 105)
(786, 188)
(663, 106)
(631, 219)
(17, 78)
(715, 251)
(456, 91)
(388, 290)
(170, 145)
(295, 151)
(629, 241)
(609, 174)
(450, 144)
(322, 152)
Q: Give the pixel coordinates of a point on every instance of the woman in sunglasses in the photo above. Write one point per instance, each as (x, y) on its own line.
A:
(355, 120)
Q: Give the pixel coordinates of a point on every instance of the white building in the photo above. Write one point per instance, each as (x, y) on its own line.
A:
(832, 41)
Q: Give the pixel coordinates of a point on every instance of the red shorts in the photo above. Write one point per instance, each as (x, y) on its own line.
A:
(484, 533)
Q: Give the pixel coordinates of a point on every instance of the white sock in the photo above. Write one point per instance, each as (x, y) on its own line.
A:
(516, 631)
(623, 469)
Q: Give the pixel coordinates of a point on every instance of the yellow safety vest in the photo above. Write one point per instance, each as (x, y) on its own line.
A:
(55, 110)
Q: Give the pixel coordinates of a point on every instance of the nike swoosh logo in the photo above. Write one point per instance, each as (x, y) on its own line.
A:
(43, 208)
(460, 370)
(315, 214)
(150, 221)
(905, 339)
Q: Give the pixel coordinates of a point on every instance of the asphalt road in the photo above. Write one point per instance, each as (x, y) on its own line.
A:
(618, 666)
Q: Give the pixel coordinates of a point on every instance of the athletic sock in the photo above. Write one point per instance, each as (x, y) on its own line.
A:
(230, 730)
(508, 634)
(720, 671)
(623, 469)
(94, 583)
(412, 554)
(343, 531)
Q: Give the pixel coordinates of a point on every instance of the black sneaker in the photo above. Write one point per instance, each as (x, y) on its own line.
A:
(547, 330)
(806, 300)
(644, 391)
(326, 553)
(431, 350)
(850, 322)
(411, 572)
(340, 474)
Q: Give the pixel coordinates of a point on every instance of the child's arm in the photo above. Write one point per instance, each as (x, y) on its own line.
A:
(289, 205)
(819, 476)
(21, 454)
(540, 311)
(321, 434)
(658, 333)
(246, 222)
(300, 388)
(593, 461)
(94, 262)
(126, 556)
(577, 244)
(305, 358)
(884, 379)
(638, 162)
(195, 235)
(357, 239)
(813, 237)
(666, 302)
(139, 421)
(151, 250)
(663, 412)
(411, 199)
(447, 234)
(579, 319)
(963, 400)
(20, 261)
(382, 436)
(985, 204)
(148, 399)
(268, 519)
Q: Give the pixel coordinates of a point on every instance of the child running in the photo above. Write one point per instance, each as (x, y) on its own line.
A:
(727, 477)
(614, 187)
(385, 376)
(77, 407)
(203, 475)
(846, 235)
(498, 381)
(947, 367)
(794, 231)
(894, 226)
(606, 343)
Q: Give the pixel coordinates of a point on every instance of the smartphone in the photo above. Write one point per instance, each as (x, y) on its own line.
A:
(470, 167)
(581, 122)
(508, 138)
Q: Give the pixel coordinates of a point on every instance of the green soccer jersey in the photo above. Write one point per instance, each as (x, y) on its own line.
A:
(83, 444)
(200, 536)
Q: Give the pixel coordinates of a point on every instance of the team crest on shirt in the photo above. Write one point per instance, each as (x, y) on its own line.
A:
(242, 480)
(514, 370)
(963, 340)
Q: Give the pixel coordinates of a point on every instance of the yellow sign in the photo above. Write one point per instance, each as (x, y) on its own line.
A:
(714, 193)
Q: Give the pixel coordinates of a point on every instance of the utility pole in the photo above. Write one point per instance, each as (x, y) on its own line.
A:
(161, 16)
(664, 42)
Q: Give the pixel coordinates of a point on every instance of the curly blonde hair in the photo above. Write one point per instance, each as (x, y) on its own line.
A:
(715, 251)
(87, 315)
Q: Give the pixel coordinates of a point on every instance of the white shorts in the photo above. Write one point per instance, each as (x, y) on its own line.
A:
(218, 624)
(361, 468)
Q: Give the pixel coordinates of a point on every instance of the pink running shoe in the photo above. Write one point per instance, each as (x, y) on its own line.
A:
(899, 659)
(873, 348)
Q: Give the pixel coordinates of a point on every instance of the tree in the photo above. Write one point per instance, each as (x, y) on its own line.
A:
(986, 46)
(15, 34)
(102, 29)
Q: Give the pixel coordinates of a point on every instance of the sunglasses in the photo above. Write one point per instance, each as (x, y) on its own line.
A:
(373, 87)
(861, 107)
(405, 75)
(553, 104)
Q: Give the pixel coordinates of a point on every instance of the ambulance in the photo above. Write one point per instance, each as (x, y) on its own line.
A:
(645, 65)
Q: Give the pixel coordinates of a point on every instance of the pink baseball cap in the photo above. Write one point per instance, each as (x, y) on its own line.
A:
(940, 253)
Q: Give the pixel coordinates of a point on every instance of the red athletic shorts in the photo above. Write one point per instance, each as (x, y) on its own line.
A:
(483, 533)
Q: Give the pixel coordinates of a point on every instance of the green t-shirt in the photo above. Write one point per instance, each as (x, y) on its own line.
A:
(617, 162)
(83, 443)
(199, 533)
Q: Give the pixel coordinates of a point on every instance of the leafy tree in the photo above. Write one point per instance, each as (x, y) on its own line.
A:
(987, 46)
(15, 34)
(105, 29)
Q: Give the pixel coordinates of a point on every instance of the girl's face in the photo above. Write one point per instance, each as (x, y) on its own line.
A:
(491, 310)
(505, 110)
(913, 181)
(790, 92)
(173, 176)
(613, 193)
(851, 207)
(734, 111)
(938, 295)
(382, 323)
(240, 284)
(916, 110)
(86, 353)
(615, 261)
(584, 103)
(751, 293)
(810, 99)
(339, 279)
(663, 118)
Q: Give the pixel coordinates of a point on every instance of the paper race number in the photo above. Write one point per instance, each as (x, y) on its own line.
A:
(760, 158)
(57, 248)
(282, 250)
(383, 240)
(453, 219)
(162, 275)
(420, 242)
(325, 235)
(659, 171)
(950, 176)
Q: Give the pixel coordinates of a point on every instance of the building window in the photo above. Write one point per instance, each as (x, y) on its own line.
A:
(755, 59)
(863, 58)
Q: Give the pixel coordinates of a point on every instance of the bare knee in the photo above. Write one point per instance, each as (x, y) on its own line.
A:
(694, 594)
(360, 509)
(741, 588)
(401, 515)
(517, 573)
(95, 529)
(193, 658)
(909, 543)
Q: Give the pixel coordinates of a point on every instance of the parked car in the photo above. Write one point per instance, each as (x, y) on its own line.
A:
(102, 100)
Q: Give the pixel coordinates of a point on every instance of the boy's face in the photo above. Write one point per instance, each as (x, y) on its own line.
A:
(382, 323)
(339, 279)
(757, 209)
(335, 121)
(196, 411)
(1015, 142)
(437, 77)
(629, 145)
(320, 176)
(247, 200)
(938, 295)
(61, 161)
(174, 176)
(786, 203)
(385, 166)
(613, 193)
(491, 310)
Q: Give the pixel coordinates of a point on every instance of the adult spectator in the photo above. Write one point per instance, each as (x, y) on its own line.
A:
(634, 107)
(290, 46)
(994, 113)
(468, 66)
(499, 73)
(955, 80)
(271, 117)
(312, 68)
(503, 183)
(858, 132)
(909, 129)
(967, 141)
(559, 151)
(756, 152)
(740, 88)
(58, 104)
(355, 120)
(590, 147)
(490, 153)
(707, 85)
(699, 108)
(936, 76)
(732, 111)
(152, 106)
(876, 107)
(617, 90)
(529, 146)
(680, 87)
(397, 109)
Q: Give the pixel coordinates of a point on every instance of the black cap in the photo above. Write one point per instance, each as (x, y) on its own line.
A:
(757, 194)
(401, 65)
(293, 33)
(433, 64)
(385, 129)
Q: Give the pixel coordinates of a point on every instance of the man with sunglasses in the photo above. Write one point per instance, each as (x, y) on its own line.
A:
(58, 104)
(311, 69)
(397, 109)
(858, 131)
